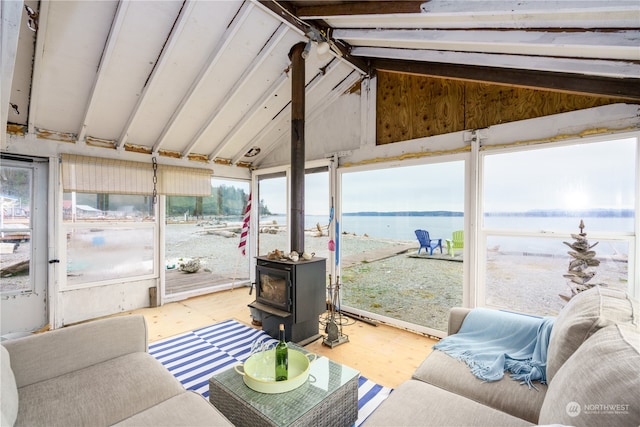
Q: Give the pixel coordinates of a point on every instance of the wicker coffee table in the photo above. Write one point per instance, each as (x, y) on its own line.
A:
(328, 398)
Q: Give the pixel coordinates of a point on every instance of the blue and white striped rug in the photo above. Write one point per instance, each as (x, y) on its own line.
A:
(193, 357)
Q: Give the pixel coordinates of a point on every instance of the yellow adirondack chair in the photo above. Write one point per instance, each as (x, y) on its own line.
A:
(456, 242)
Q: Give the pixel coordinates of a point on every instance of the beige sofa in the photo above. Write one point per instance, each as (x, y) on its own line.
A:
(593, 376)
(95, 374)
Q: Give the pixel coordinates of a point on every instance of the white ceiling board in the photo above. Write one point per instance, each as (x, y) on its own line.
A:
(163, 61)
(137, 44)
(74, 40)
(624, 45)
(236, 50)
(319, 85)
(248, 136)
(279, 115)
(331, 131)
(203, 28)
(191, 103)
(331, 139)
(226, 148)
(219, 119)
(234, 107)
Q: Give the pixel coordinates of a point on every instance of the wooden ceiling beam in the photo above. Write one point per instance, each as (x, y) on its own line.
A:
(624, 88)
(287, 13)
(328, 8)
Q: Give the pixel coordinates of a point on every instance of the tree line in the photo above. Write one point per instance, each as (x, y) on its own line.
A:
(224, 201)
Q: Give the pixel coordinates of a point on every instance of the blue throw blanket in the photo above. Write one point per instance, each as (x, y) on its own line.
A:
(493, 341)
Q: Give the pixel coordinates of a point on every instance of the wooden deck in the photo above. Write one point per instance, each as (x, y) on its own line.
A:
(178, 281)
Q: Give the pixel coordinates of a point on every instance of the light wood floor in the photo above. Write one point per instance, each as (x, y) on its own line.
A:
(384, 354)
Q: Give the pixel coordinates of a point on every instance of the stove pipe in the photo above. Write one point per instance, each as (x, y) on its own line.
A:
(297, 147)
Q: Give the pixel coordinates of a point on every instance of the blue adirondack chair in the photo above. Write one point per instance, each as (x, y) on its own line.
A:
(428, 243)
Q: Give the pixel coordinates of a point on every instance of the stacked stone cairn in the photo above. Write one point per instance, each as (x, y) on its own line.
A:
(580, 270)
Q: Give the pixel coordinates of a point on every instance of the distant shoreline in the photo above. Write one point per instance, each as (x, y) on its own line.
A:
(587, 213)
(406, 213)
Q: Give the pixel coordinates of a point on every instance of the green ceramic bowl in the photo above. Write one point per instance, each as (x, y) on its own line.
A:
(259, 371)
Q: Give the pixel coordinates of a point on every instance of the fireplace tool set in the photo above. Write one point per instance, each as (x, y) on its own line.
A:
(333, 328)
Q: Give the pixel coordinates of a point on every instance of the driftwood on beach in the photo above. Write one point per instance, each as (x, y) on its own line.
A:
(234, 229)
(16, 268)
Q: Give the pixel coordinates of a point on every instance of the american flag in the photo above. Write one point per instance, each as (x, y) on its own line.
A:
(245, 228)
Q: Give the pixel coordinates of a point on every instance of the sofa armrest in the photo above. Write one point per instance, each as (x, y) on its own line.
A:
(456, 317)
(43, 356)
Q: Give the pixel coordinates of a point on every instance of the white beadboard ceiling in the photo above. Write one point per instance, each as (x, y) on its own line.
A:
(207, 81)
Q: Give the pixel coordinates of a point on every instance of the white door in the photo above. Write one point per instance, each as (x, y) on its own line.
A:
(23, 244)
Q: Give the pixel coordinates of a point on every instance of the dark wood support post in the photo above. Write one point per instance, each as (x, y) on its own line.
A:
(297, 147)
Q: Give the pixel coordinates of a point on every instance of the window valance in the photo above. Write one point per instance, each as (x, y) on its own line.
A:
(98, 175)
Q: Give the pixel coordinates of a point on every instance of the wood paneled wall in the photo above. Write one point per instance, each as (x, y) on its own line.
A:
(412, 106)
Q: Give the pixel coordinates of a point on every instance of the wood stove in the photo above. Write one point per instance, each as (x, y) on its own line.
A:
(293, 293)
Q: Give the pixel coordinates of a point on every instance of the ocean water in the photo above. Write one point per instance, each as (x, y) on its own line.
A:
(403, 228)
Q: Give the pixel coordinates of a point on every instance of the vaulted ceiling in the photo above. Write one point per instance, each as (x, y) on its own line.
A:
(208, 81)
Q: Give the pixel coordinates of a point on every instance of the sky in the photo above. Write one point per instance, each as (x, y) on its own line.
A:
(596, 175)
(406, 188)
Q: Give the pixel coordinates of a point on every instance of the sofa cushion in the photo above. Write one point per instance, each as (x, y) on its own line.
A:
(416, 403)
(101, 394)
(583, 315)
(507, 395)
(186, 409)
(599, 384)
(40, 357)
(8, 390)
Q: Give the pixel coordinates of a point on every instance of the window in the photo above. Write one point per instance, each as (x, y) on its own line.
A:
(272, 228)
(274, 213)
(533, 201)
(206, 230)
(382, 209)
(317, 213)
(109, 215)
(109, 237)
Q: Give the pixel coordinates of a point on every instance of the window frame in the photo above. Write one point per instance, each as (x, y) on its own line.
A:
(483, 232)
(69, 226)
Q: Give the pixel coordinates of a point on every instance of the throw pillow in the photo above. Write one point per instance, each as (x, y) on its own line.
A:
(584, 315)
(599, 384)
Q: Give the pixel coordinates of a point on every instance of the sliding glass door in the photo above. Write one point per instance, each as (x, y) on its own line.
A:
(385, 273)
(203, 234)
